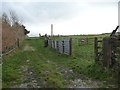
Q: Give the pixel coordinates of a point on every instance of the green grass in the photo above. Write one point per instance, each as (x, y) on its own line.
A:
(81, 61)
(13, 63)
(82, 36)
(11, 68)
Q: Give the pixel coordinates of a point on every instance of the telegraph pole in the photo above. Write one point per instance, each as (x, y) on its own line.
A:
(51, 30)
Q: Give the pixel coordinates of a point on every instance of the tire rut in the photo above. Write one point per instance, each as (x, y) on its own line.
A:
(75, 80)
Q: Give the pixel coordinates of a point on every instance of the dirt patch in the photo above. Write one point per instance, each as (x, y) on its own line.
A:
(29, 78)
(75, 80)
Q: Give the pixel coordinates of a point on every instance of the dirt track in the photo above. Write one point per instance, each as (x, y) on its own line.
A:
(73, 80)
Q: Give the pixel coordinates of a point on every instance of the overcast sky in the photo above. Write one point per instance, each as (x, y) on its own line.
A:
(69, 17)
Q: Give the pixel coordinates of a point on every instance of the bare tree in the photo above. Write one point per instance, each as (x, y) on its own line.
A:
(5, 18)
(14, 17)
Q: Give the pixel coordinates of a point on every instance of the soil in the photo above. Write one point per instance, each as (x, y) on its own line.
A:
(73, 80)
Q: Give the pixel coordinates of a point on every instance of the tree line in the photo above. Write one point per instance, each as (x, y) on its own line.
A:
(13, 31)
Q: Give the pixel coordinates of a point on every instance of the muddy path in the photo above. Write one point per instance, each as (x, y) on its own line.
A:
(30, 78)
(75, 80)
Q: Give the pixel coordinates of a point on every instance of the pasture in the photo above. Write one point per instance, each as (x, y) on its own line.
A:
(32, 65)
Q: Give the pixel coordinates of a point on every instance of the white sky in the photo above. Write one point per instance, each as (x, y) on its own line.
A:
(69, 17)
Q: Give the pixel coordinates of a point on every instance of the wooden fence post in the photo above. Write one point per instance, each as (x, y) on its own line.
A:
(57, 42)
(107, 52)
(96, 49)
(70, 42)
(18, 43)
(53, 43)
(63, 46)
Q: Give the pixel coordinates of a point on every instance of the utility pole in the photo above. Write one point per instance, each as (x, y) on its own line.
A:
(51, 30)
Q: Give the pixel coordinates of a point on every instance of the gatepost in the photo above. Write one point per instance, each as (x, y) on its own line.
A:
(107, 52)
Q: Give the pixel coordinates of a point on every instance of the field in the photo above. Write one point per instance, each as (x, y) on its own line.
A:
(32, 65)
